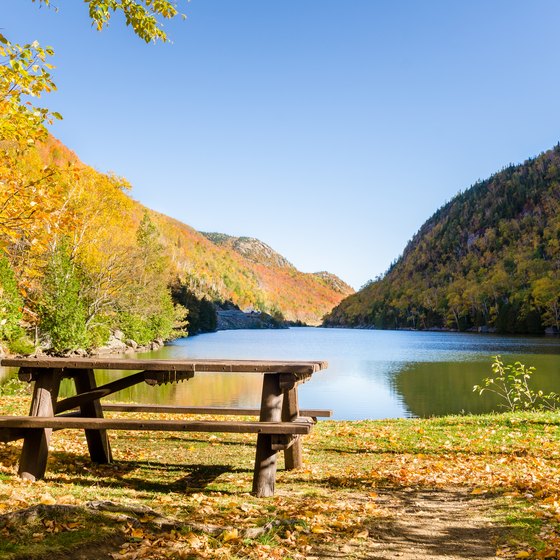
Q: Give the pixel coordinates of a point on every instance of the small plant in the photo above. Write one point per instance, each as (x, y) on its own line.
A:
(512, 384)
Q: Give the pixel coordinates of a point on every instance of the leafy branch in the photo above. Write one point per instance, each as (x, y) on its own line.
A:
(512, 384)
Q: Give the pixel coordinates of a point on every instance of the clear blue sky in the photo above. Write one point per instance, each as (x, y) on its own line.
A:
(329, 129)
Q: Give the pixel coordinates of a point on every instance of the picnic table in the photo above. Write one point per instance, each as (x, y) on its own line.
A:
(279, 427)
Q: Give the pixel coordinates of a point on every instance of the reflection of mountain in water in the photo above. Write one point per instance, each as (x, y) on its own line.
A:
(440, 388)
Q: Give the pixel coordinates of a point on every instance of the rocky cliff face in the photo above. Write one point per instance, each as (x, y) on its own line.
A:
(334, 282)
(233, 319)
(252, 249)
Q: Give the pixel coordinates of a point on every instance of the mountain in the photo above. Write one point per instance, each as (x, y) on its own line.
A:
(262, 254)
(488, 260)
(95, 212)
(279, 286)
(252, 249)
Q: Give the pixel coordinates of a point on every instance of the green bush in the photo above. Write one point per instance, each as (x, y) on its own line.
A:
(164, 324)
(99, 333)
(21, 345)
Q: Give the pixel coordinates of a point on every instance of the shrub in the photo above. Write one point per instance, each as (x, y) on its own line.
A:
(512, 383)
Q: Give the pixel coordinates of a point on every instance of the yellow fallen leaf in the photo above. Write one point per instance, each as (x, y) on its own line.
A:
(319, 529)
(230, 535)
(137, 533)
(523, 554)
(477, 491)
(47, 500)
(362, 534)
(193, 540)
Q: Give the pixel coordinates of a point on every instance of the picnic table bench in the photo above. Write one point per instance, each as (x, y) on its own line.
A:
(279, 427)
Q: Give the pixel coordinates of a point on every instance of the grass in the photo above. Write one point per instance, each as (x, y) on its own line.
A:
(199, 484)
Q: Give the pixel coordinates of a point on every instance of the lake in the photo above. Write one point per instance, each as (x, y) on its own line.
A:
(371, 374)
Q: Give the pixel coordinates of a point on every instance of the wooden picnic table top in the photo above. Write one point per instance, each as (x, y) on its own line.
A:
(184, 365)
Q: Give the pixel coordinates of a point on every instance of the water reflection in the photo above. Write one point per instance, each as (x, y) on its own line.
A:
(371, 374)
(438, 388)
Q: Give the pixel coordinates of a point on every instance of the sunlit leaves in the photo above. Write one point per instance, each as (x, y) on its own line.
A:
(143, 16)
(24, 74)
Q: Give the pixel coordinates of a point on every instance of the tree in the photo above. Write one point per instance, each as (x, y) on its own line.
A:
(546, 294)
(10, 303)
(24, 72)
(62, 309)
(146, 310)
(145, 17)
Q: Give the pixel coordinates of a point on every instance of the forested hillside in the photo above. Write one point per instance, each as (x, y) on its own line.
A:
(81, 259)
(489, 259)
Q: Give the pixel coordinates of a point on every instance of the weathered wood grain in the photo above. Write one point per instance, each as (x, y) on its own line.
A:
(34, 454)
(214, 366)
(218, 410)
(264, 476)
(97, 440)
(225, 426)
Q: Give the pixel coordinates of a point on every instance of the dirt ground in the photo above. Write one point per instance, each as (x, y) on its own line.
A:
(425, 525)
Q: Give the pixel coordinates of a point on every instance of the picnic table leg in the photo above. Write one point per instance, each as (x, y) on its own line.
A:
(293, 456)
(35, 451)
(97, 440)
(264, 477)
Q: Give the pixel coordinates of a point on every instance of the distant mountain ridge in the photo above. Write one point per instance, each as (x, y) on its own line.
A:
(487, 260)
(260, 253)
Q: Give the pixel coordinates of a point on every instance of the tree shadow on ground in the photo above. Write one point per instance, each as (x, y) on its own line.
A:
(425, 524)
(173, 478)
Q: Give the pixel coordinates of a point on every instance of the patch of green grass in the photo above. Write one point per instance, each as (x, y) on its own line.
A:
(522, 525)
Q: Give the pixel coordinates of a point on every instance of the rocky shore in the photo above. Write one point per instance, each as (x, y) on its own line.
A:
(234, 319)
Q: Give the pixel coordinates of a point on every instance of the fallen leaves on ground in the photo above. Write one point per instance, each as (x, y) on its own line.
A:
(201, 491)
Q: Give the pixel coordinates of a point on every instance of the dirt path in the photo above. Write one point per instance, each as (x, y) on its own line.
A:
(406, 524)
(425, 525)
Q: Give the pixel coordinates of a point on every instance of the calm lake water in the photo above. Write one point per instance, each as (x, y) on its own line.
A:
(371, 374)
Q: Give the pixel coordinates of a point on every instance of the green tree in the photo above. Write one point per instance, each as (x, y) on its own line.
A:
(62, 310)
(546, 293)
(147, 311)
(145, 17)
(10, 303)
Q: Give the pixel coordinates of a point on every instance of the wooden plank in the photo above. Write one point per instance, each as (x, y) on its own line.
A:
(218, 410)
(99, 392)
(293, 456)
(97, 440)
(11, 434)
(283, 442)
(225, 426)
(215, 366)
(34, 454)
(264, 475)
